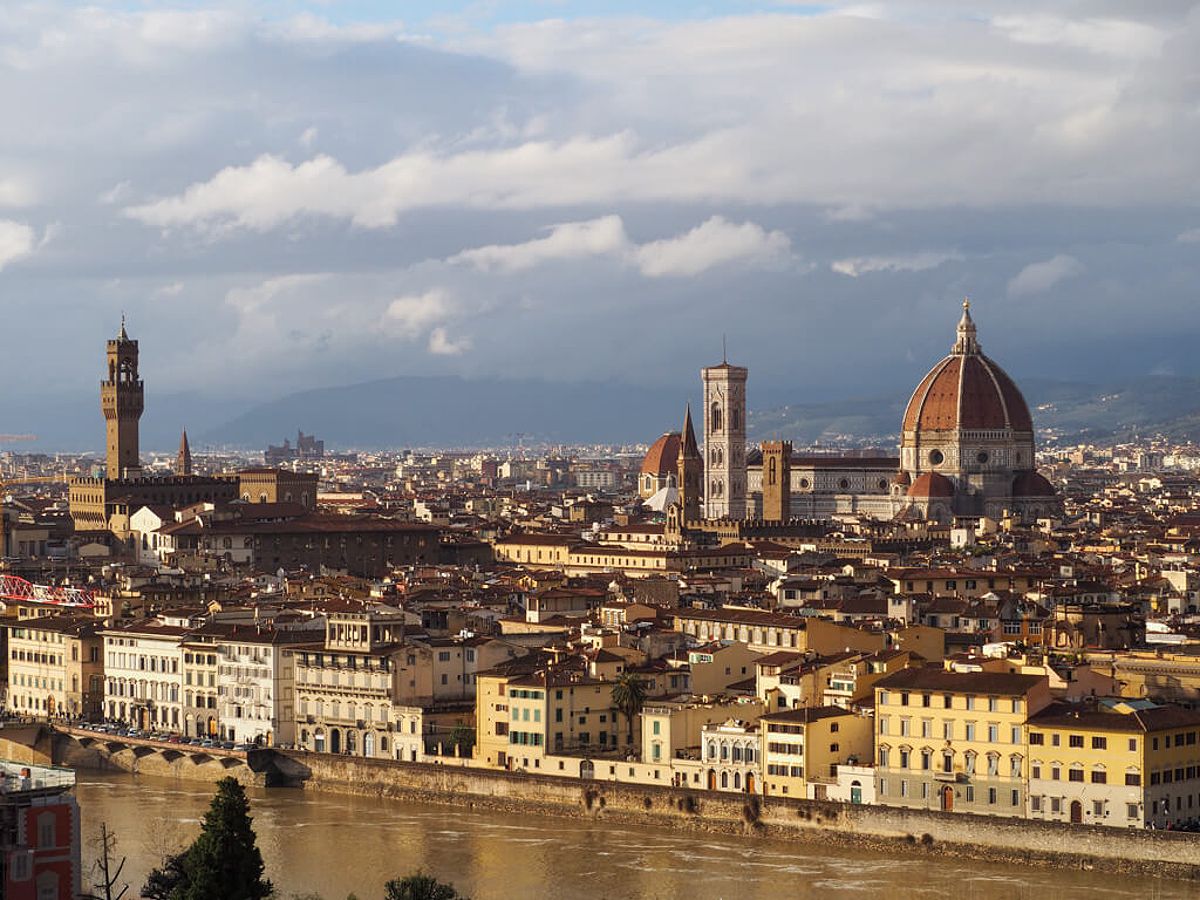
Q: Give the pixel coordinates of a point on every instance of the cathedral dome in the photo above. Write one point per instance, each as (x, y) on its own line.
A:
(931, 484)
(967, 391)
(662, 458)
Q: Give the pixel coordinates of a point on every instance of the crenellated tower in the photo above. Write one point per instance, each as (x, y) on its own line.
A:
(122, 399)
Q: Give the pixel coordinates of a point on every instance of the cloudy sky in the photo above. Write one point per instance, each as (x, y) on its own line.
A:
(284, 195)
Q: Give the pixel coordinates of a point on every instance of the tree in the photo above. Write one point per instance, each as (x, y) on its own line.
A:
(224, 862)
(420, 887)
(106, 849)
(463, 738)
(162, 882)
(629, 696)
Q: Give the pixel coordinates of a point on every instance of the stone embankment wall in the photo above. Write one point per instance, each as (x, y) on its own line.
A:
(1169, 854)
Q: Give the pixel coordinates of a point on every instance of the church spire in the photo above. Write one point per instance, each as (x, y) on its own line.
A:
(183, 462)
(689, 448)
(122, 335)
(966, 344)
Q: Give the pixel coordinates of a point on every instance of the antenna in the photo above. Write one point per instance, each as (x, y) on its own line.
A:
(724, 354)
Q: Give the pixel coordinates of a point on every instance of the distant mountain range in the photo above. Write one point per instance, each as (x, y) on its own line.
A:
(448, 411)
(1067, 411)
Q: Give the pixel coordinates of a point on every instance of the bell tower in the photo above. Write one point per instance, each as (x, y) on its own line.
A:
(725, 441)
(122, 399)
(777, 481)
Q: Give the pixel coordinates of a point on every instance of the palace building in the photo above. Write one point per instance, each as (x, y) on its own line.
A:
(966, 451)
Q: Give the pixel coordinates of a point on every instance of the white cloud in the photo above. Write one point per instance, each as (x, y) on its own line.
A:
(16, 193)
(410, 315)
(712, 243)
(571, 240)
(17, 240)
(1038, 277)
(440, 344)
(171, 289)
(1191, 236)
(910, 262)
(308, 137)
(1112, 37)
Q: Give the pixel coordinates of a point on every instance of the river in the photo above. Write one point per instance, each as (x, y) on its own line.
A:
(333, 845)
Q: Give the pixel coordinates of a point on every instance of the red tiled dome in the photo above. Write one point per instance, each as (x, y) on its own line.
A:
(931, 484)
(663, 456)
(1032, 484)
(968, 392)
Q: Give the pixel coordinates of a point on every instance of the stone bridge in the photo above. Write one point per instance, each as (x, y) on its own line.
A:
(84, 748)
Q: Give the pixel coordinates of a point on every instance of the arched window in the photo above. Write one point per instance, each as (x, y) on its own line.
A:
(724, 779)
(715, 417)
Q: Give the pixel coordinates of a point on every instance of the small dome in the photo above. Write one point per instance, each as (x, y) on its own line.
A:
(663, 457)
(903, 479)
(1032, 484)
(931, 484)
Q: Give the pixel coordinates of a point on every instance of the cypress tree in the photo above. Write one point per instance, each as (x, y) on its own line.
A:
(224, 862)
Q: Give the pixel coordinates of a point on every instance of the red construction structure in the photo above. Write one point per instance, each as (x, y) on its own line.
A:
(15, 588)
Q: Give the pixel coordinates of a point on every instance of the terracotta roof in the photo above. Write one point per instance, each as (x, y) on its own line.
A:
(938, 679)
(663, 456)
(931, 484)
(1032, 484)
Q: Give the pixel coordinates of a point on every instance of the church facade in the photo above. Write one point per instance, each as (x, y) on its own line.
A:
(966, 451)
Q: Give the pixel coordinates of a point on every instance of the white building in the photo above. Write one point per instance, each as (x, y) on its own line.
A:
(256, 683)
(143, 669)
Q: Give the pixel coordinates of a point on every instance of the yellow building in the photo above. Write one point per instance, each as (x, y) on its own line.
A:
(671, 729)
(802, 748)
(954, 740)
(767, 632)
(56, 667)
(524, 713)
(1128, 764)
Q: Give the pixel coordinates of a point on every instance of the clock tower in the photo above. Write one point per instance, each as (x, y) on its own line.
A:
(122, 398)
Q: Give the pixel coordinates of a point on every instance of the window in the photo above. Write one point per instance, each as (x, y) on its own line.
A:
(1098, 808)
(1056, 804)
(1133, 779)
(45, 830)
(1076, 740)
(1099, 776)
(1036, 738)
(1035, 804)
(1075, 775)
(1133, 745)
(992, 796)
(1099, 743)
(1131, 810)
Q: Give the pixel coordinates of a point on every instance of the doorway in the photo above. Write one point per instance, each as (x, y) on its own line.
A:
(947, 799)
(1076, 812)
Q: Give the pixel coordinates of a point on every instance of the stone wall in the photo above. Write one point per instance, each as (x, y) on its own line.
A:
(1171, 854)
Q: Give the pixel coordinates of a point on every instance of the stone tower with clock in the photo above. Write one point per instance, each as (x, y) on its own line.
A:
(724, 441)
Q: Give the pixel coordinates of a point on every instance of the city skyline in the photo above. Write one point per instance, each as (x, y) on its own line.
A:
(287, 197)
